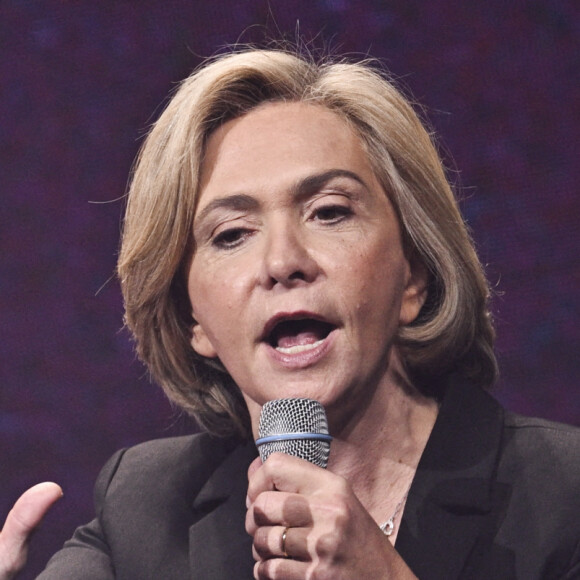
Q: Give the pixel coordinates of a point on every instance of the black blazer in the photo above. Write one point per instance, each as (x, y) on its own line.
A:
(495, 496)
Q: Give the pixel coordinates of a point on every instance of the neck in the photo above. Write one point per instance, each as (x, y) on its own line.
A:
(378, 449)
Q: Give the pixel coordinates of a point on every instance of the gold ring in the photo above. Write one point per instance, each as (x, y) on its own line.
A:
(284, 534)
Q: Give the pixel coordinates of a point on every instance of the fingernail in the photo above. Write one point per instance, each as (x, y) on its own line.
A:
(248, 502)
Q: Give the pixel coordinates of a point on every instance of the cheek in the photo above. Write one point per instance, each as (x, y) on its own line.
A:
(218, 298)
(202, 281)
(382, 290)
(382, 270)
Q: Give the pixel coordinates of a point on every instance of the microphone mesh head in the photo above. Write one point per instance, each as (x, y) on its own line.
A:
(289, 416)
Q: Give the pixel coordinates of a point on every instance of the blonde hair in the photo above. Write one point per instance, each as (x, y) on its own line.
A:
(453, 334)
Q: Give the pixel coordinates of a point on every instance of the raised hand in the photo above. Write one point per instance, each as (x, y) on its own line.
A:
(307, 523)
(24, 517)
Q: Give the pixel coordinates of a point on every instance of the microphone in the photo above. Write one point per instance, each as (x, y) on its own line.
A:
(296, 427)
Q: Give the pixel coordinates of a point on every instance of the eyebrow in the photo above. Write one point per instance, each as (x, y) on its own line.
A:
(237, 202)
(303, 188)
(313, 183)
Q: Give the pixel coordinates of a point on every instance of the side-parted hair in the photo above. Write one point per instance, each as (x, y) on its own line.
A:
(453, 334)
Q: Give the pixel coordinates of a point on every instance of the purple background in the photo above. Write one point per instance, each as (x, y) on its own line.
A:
(81, 81)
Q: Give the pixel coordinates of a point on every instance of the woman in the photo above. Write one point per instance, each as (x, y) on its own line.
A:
(290, 232)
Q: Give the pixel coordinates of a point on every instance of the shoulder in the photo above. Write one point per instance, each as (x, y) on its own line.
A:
(536, 427)
(152, 488)
(174, 465)
(168, 453)
(542, 444)
(540, 460)
(542, 457)
(539, 467)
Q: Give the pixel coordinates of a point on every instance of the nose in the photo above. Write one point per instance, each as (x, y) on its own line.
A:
(288, 260)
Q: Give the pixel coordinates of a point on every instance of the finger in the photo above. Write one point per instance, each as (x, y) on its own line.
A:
(280, 568)
(286, 473)
(24, 517)
(269, 542)
(281, 542)
(278, 508)
(30, 508)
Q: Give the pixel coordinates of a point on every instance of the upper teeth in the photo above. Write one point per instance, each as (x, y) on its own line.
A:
(298, 347)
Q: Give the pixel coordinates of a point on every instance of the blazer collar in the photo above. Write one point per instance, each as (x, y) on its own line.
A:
(219, 544)
(453, 502)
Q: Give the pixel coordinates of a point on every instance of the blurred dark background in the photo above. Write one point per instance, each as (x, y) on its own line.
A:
(81, 81)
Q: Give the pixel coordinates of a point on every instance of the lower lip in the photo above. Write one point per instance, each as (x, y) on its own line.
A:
(306, 358)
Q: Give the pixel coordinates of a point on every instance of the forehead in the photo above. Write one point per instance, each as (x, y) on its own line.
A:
(277, 142)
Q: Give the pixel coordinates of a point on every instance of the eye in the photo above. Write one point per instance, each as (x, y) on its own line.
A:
(230, 238)
(331, 213)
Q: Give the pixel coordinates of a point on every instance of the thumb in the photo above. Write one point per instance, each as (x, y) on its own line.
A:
(26, 514)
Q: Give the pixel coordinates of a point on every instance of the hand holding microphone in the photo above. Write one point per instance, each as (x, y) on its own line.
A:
(303, 517)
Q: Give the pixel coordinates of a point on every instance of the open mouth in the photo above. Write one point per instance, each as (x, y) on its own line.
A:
(295, 336)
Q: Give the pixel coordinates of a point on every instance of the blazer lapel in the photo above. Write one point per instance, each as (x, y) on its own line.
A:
(454, 503)
(219, 544)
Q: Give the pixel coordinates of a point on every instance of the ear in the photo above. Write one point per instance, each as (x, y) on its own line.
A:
(201, 343)
(415, 292)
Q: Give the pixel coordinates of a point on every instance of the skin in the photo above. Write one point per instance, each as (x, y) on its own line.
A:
(24, 517)
(292, 224)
